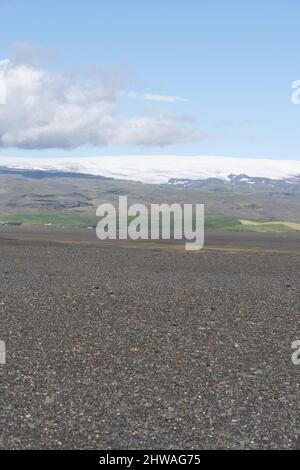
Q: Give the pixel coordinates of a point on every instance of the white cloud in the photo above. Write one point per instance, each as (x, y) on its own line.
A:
(46, 110)
(24, 53)
(156, 97)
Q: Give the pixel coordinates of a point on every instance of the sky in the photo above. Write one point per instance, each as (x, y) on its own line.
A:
(193, 77)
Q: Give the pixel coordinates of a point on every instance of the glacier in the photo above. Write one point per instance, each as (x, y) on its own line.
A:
(158, 169)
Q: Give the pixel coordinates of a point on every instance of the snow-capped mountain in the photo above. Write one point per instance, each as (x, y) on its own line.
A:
(176, 170)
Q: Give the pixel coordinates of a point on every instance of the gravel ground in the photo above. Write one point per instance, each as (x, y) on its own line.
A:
(116, 348)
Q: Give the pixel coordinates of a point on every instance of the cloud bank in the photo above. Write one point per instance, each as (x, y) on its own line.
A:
(47, 110)
(24, 53)
(156, 97)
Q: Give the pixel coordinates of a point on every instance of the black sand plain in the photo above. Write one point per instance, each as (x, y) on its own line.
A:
(136, 346)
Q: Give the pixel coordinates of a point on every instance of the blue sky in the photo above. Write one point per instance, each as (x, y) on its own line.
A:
(231, 62)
